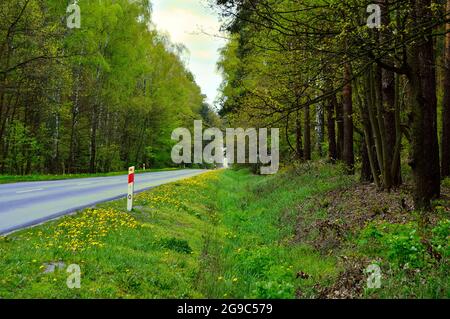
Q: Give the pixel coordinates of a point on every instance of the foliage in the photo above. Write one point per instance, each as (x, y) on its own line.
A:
(441, 238)
(95, 99)
(402, 244)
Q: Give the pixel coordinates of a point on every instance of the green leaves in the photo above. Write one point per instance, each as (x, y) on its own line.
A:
(116, 89)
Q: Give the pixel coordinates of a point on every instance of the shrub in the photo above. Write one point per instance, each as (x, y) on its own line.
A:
(446, 182)
(399, 243)
(406, 248)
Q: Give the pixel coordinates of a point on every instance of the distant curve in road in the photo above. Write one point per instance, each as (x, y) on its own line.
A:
(27, 204)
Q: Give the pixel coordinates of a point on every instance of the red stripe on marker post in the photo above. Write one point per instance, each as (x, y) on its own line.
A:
(130, 178)
(130, 188)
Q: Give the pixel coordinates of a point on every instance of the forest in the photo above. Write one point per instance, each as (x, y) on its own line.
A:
(376, 99)
(92, 99)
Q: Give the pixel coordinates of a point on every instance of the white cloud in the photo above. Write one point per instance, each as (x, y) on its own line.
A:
(185, 20)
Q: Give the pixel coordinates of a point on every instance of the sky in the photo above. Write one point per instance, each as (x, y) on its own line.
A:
(184, 21)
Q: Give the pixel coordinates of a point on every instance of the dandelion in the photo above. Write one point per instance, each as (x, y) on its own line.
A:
(88, 229)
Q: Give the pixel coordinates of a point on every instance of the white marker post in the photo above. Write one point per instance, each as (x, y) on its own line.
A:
(130, 188)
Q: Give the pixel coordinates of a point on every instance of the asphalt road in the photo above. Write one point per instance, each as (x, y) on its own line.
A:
(27, 204)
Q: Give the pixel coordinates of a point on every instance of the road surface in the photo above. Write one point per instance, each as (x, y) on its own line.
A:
(27, 204)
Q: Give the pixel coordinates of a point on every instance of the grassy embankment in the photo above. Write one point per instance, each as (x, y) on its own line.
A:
(230, 234)
(8, 179)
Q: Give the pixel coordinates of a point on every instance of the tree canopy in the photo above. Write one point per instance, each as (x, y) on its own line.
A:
(91, 99)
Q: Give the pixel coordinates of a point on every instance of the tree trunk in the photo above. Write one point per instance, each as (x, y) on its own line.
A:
(396, 163)
(298, 136)
(307, 135)
(340, 132)
(348, 155)
(380, 120)
(56, 140)
(366, 170)
(368, 142)
(331, 128)
(388, 94)
(74, 121)
(422, 79)
(320, 121)
(93, 149)
(445, 161)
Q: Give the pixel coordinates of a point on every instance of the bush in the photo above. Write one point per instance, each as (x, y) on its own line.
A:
(399, 243)
(402, 245)
(446, 182)
(405, 248)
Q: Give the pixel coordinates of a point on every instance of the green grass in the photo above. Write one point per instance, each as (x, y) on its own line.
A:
(8, 179)
(258, 258)
(409, 271)
(150, 253)
(224, 234)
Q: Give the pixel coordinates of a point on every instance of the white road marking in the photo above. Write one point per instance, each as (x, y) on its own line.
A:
(30, 190)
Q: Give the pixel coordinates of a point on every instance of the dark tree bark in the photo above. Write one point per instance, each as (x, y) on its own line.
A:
(422, 79)
(307, 134)
(445, 157)
(331, 129)
(298, 136)
(320, 128)
(366, 170)
(340, 130)
(369, 150)
(386, 163)
(348, 155)
(388, 89)
(388, 93)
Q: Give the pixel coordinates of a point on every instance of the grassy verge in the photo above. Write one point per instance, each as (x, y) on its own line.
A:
(257, 257)
(228, 234)
(8, 179)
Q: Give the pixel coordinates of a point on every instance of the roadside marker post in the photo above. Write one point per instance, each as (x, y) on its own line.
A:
(130, 188)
